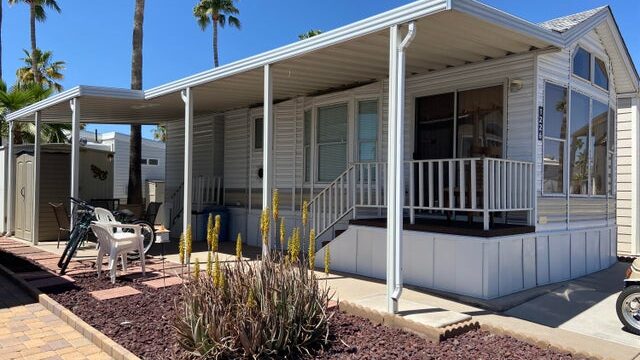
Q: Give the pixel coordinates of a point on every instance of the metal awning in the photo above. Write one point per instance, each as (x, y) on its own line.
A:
(449, 34)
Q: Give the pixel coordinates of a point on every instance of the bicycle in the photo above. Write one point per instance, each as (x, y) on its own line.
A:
(81, 226)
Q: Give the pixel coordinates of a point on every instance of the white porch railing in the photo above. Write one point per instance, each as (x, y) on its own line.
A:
(482, 185)
(206, 191)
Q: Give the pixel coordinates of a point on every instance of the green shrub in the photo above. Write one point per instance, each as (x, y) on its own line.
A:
(269, 308)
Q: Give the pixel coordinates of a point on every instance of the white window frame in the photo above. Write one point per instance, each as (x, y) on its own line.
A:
(356, 134)
(593, 55)
(349, 104)
(565, 172)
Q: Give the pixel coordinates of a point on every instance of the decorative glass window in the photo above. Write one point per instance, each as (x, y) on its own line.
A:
(331, 137)
(555, 135)
(258, 133)
(306, 143)
(579, 145)
(600, 75)
(611, 152)
(599, 139)
(582, 63)
(367, 130)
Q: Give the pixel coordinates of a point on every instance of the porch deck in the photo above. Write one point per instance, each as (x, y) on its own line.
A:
(452, 227)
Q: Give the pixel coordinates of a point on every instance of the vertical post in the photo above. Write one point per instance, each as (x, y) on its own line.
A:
(36, 179)
(635, 191)
(267, 146)
(485, 192)
(395, 174)
(187, 189)
(75, 154)
(11, 192)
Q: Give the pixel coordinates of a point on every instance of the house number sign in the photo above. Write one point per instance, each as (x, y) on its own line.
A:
(540, 121)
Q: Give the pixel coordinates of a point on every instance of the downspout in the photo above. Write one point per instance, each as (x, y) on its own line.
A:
(400, 78)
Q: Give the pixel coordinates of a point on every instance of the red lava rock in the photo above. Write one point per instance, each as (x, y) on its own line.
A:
(143, 324)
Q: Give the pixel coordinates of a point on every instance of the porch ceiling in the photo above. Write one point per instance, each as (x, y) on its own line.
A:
(444, 39)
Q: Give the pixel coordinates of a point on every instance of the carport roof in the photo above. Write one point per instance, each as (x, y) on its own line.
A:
(449, 33)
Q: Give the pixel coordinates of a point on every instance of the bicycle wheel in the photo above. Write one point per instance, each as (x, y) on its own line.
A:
(71, 248)
(149, 237)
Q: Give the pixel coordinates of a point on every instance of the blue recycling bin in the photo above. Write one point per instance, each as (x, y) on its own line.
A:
(202, 219)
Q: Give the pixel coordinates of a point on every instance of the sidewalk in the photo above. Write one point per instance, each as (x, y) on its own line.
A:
(29, 331)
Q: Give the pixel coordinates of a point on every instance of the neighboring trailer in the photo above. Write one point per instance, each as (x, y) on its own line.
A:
(96, 181)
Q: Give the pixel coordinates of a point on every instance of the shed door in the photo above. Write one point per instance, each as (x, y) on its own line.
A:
(24, 197)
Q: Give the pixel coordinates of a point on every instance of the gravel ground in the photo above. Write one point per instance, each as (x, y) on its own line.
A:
(143, 324)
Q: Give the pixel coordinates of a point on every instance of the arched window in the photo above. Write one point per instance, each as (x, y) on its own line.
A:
(600, 76)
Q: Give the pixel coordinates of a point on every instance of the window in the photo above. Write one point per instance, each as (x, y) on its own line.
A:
(611, 158)
(555, 132)
(579, 145)
(479, 122)
(367, 130)
(600, 114)
(153, 162)
(582, 64)
(258, 133)
(306, 143)
(600, 75)
(331, 138)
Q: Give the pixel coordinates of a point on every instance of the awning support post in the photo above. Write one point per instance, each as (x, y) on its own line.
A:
(187, 188)
(36, 178)
(267, 150)
(395, 157)
(11, 183)
(75, 154)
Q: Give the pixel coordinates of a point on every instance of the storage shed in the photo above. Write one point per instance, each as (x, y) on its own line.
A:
(96, 181)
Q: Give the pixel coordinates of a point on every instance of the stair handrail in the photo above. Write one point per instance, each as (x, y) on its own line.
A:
(314, 203)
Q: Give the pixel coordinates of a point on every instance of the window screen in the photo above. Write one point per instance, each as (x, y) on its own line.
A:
(258, 133)
(367, 130)
(332, 141)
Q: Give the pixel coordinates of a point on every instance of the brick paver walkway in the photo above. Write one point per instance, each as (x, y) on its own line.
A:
(29, 331)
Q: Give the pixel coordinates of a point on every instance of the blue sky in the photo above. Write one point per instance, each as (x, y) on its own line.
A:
(95, 41)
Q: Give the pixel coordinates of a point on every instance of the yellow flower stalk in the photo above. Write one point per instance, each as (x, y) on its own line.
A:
(282, 234)
(275, 203)
(209, 265)
(251, 299)
(327, 259)
(312, 249)
(196, 270)
(216, 272)
(181, 249)
(188, 246)
(210, 230)
(294, 245)
(264, 226)
(305, 213)
(239, 247)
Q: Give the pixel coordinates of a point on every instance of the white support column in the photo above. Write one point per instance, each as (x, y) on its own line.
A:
(75, 153)
(187, 97)
(395, 158)
(267, 146)
(635, 183)
(11, 183)
(36, 179)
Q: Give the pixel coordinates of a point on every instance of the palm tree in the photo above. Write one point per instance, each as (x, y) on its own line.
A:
(18, 97)
(217, 13)
(37, 13)
(134, 187)
(309, 34)
(49, 71)
(160, 133)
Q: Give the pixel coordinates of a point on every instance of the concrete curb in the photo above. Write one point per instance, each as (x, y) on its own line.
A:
(106, 344)
(395, 321)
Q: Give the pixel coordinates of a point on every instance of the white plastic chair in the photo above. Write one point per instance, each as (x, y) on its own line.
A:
(104, 216)
(117, 244)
